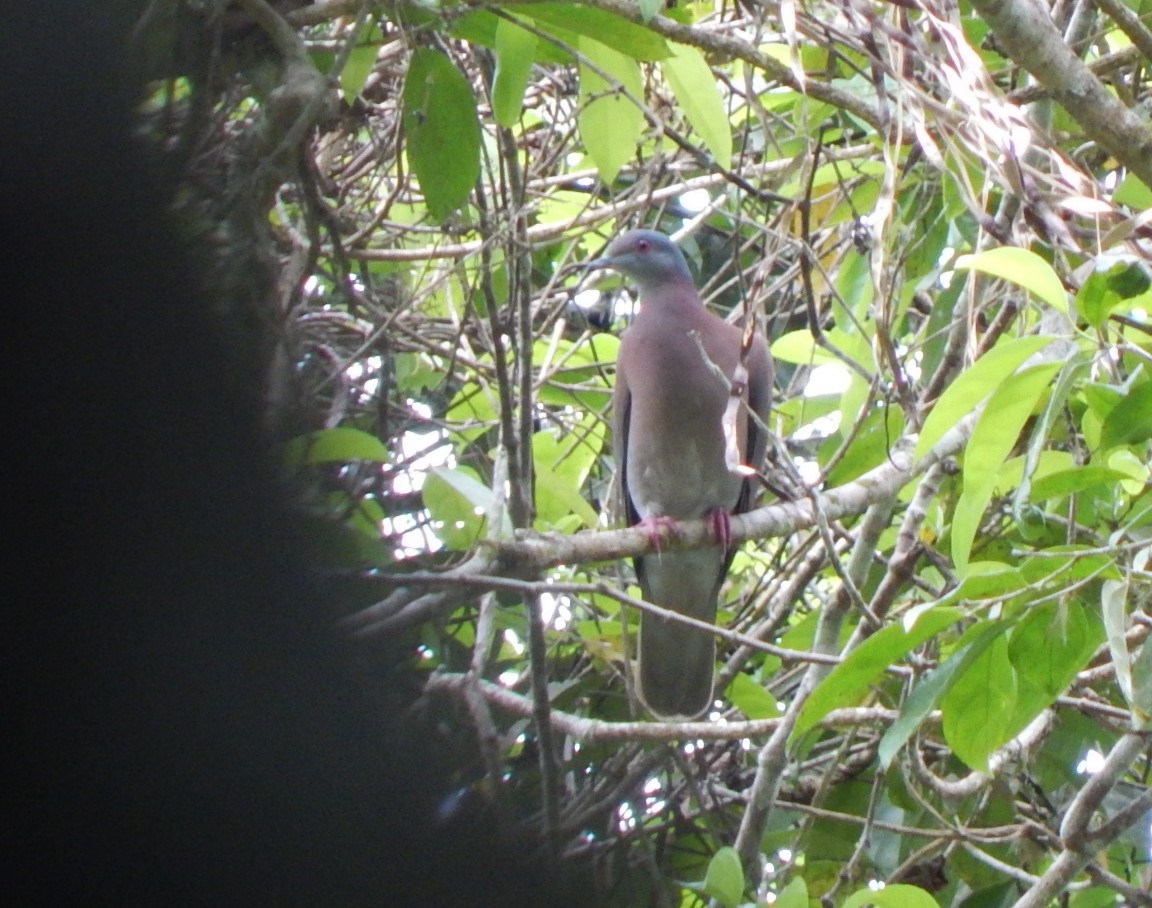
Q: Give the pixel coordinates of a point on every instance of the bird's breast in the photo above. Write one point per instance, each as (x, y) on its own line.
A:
(678, 367)
(685, 485)
(676, 450)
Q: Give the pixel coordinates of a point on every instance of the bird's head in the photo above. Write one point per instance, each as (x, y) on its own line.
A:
(646, 256)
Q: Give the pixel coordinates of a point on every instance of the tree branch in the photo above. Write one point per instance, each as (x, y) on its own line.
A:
(1024, 29)
(1079, 845)
(597, 731)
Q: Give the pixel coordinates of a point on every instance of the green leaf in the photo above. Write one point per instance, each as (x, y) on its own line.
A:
(1050, 645)
(986, 580)
(751, 698)
(1069, 482)
(1113, 281)
(1142, 687)
(1133, 466)
(515, 52)
(1094, 300)
(457, 501)
(1114, 610)
(351, 541)
(978, 707)
(1037, 455)
(928, 692)
(802, 411)
(628, 38)
(465, 482)
(1048, 462)
(1130, 421)
(562, 467)
(339, 445)
(1092, 897)
(1021, 267)
(870, 447)
(966, 519)
(849, 681)
(999, 425)
(1102, 398)
(992, 441)
(366, 517)
(1066, 564)
(1133, 192)
(724, 880)
(696, 89)
(479, 27)
(899, 895)
(973, 385)
(581, 362)
(472, 412)
(558, 498)
(799, 347)
(415, 373)
(854, 283)
(356, 70)
(1129, 277)
(610, 124)
(794, 895)
(442, 130)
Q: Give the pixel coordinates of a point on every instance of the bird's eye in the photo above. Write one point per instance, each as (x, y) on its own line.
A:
(643, 246)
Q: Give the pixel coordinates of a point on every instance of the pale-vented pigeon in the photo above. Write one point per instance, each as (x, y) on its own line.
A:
(675, 461)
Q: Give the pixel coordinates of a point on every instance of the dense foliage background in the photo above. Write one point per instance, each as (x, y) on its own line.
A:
(935, 673)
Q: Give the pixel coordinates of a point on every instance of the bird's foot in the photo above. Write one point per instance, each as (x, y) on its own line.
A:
(721, 528)
(657, 529)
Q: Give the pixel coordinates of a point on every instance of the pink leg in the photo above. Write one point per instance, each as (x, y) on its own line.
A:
(721, 528)
(657, 529)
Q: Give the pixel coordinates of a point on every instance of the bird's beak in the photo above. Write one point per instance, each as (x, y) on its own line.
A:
(598, 271)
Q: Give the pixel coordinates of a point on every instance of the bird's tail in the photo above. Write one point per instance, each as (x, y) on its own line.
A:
(676, 662)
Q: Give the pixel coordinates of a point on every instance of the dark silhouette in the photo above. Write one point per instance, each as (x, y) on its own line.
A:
(180, 723)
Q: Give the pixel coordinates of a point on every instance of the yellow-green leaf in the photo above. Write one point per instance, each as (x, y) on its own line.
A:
(695, 88)
(900, 895)
(636, 41)
(1133, 192)
(356, 70)
(800, 347)
(340, 445)
(724, 880)
(1021, 267)
(751, 698)
(562, 466)
(992, 441)
(610, 124)
(972, 386)
(457, 500)
(999, 424)
(794, 895)
(966, 518)
(515, 51)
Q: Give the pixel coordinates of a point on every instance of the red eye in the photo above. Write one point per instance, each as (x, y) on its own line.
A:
(643, 245)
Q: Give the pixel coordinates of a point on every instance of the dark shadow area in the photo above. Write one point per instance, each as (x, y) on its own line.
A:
(180, 722)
